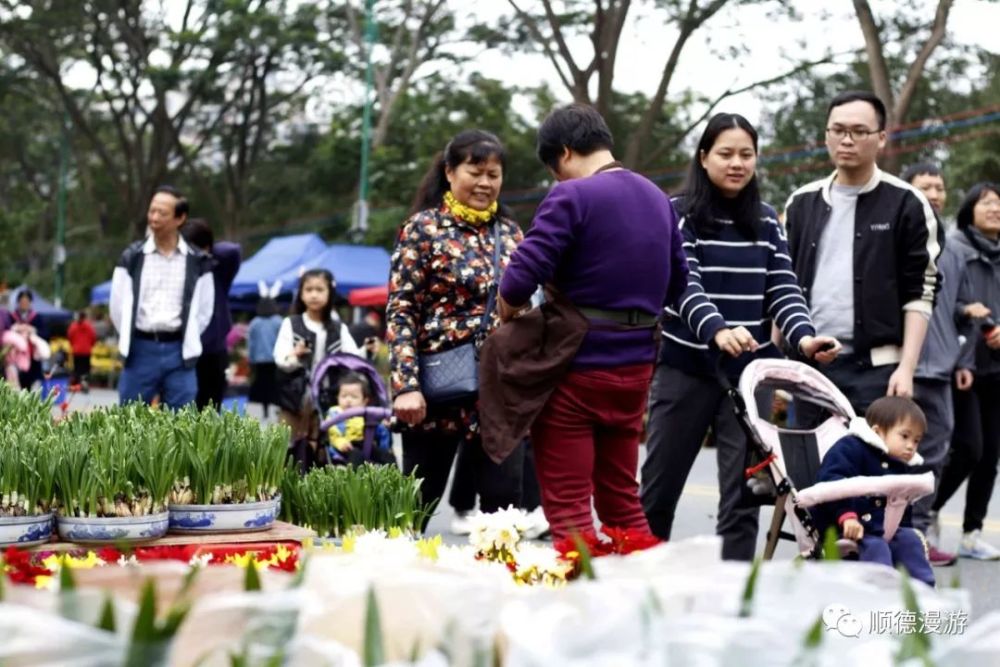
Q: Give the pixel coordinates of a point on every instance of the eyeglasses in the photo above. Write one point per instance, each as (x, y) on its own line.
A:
(855, 133)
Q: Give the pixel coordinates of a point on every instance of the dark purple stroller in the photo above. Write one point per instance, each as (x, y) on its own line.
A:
(323, 386)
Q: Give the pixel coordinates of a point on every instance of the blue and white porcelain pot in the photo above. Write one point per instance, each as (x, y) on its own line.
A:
(234, 518)
(113, 529)
(25, 531)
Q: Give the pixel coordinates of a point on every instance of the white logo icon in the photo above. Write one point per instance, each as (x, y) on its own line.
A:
(837, 617)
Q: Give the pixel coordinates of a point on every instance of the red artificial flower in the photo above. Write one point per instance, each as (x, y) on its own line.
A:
(109, 554)
(628, 540)
(21, 568)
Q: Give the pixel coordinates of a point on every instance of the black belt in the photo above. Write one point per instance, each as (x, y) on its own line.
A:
(632, 317)
(160, 336)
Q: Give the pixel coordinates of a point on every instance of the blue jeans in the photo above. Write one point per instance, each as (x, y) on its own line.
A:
(155, 368)
(906, 549)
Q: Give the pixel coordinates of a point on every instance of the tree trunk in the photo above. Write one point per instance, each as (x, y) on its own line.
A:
(897, 107)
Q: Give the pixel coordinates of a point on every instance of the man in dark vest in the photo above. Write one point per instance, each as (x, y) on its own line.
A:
(162, 298)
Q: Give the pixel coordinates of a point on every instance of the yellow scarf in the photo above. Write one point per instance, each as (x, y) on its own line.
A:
(473, 216)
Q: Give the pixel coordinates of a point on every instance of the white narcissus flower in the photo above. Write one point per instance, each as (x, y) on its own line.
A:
(498, 530)
(200, 560)
(130, 560)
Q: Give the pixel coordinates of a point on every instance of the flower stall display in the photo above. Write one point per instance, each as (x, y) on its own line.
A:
(26, 468)
(114, 472)
(336, 501)
(27, 473)
(229, 469)
(384, 597)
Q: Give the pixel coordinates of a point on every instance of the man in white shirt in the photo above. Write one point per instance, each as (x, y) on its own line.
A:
(162, 298)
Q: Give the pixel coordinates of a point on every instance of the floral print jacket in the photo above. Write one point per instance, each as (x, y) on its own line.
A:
(442, 272)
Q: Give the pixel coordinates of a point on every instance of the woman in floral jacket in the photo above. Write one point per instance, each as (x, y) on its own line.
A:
(442, 273)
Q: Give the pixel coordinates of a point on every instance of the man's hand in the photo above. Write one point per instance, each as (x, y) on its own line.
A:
(964, 379)
(976, 311)
(900, 382)
(736, 341)
(853, 530)
(410, 408)
(822, 349)
(993, 339)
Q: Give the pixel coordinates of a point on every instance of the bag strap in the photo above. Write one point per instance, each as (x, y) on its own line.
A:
(491, 300)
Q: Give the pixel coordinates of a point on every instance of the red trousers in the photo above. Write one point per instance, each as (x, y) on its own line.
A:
(586, 443)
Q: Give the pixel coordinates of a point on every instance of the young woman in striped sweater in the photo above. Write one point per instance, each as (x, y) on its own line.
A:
(740, 281)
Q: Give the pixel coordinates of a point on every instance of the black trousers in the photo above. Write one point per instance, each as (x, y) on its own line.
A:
(431, 453)
(682, 407)
(975, 447)
(463, 490)
(211, 370)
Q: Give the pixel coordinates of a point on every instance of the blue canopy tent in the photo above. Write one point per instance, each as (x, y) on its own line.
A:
(352, 266)
(279, 256)
(101, 294)
(41, 306)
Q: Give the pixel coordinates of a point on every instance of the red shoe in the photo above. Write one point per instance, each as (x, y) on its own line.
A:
(940, 558)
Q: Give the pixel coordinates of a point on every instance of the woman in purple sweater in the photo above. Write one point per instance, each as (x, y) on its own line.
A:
(607, 239)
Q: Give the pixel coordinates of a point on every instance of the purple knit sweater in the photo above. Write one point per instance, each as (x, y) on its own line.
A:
(608, 241)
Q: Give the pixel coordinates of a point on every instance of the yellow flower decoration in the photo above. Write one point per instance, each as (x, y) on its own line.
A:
(55, 561)
(428, 548)
(44, 581)
(395, 532)
(245, 560)
(468, 214)
(347, 543)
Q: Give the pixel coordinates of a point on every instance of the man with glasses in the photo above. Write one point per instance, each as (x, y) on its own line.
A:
(864, 245)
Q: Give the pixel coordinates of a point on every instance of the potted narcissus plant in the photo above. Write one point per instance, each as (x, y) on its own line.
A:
(114, 471)
(335, 501)
(27, 437)
(228, 474)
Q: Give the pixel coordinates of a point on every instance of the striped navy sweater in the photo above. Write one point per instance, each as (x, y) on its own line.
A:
(734, 281)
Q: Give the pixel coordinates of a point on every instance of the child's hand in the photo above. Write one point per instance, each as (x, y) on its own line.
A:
(340, 443)
(853, 530)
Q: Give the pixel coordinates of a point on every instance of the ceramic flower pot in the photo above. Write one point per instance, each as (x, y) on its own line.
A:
(114, 529)
(234, 518)
(25, 531)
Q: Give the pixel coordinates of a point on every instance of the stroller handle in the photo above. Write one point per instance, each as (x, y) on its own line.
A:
(370, 414)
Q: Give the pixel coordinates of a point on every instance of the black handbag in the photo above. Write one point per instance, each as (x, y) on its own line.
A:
(453, 375)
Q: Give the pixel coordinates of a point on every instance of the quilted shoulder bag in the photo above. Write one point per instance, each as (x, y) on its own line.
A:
(453, 375)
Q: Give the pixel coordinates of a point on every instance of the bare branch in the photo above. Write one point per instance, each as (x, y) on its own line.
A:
(762, 83)
(541, 39)
(876, 54)
(916, 69)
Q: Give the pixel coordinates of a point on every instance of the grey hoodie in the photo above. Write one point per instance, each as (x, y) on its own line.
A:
(982, 268)
(943, 350)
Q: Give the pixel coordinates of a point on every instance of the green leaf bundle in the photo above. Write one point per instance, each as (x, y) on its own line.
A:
(335, 500)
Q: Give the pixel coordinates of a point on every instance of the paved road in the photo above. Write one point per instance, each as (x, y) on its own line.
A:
(697, 510)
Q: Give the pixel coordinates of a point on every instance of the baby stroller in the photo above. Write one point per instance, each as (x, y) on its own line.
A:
(323, 387)
(784, 462)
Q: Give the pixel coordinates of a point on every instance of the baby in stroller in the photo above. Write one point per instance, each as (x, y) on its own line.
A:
(352, 400)
(883, 443)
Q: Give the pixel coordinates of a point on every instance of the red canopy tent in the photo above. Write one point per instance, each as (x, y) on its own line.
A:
(369, 296)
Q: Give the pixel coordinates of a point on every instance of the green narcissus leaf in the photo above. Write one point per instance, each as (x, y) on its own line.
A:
(374, 645)
(746, 604)
(251, 580)
(107, 620)
(914, 645)
(830, 549)
(586, 563)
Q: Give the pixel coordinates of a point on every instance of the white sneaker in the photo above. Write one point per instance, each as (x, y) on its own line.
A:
(539, 527)
(462, 523)
(973, 546)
